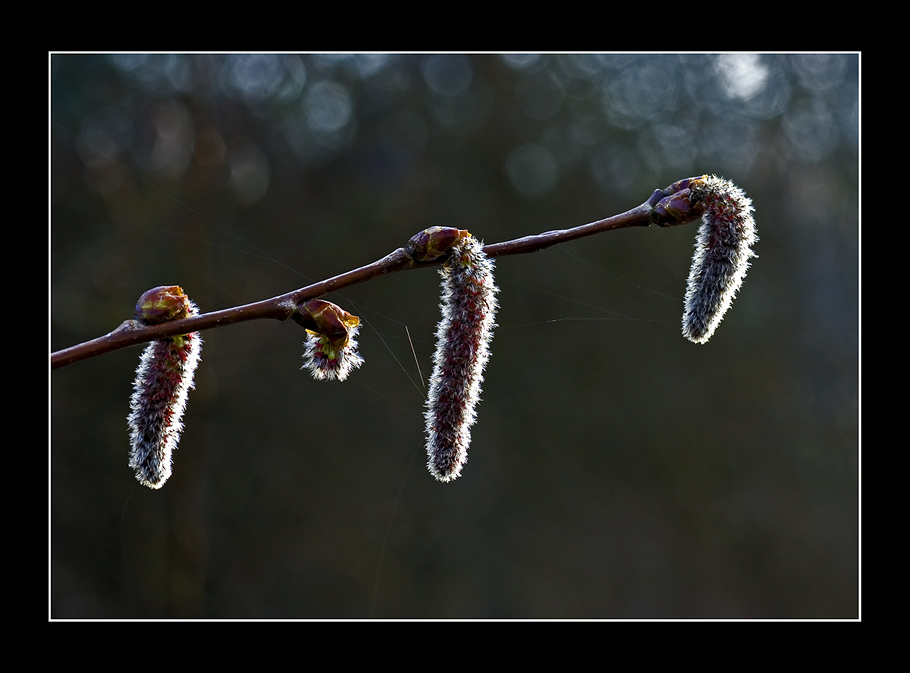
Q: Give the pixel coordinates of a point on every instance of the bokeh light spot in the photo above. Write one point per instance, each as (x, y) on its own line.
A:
(250, 174)
(532, 169)
(743, 75)
(328, 107)
(448, 74)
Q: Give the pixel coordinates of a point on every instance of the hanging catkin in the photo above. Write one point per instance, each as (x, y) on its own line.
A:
(462, 349)
(163, 379)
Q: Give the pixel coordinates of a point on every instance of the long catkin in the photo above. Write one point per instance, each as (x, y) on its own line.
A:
(723, 248)
(462, 350)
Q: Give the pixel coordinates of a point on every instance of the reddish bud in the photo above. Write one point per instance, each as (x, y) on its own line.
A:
(161, 304)
(678, 209)
(434, 242)
(326, 319)
(331, 345)
(675, 205)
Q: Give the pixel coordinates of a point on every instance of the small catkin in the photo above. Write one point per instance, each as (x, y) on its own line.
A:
(723, 248)
(330, 351)
(462, 350)
(326, 361)
(163, 379)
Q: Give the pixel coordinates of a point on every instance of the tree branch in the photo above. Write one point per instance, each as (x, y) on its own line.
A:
(282, 307)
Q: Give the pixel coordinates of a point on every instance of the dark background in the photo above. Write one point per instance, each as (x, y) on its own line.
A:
(616, 470)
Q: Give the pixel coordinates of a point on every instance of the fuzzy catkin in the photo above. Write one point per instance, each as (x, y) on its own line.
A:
(463, 338)
(163, 379)
(327, 362)
(723, 248)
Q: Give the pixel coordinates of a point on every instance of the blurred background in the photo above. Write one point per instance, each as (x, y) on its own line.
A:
(616, 470)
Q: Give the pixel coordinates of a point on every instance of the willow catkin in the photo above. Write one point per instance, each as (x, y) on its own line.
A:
(328, 362)
(723, 248)
(163, 379)
(330, 351)
(462, 350)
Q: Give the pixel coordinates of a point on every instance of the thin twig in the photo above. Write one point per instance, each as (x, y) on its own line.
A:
(282, 307)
